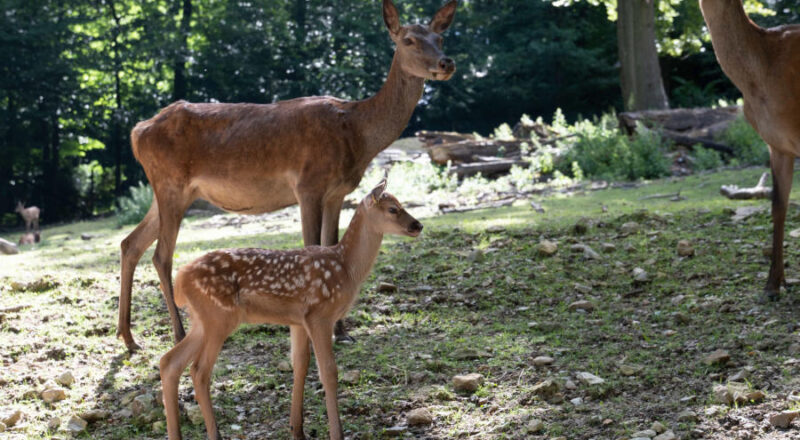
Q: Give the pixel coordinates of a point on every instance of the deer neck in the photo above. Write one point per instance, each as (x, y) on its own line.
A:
(359, 247)
(736, 39)
(384, 116)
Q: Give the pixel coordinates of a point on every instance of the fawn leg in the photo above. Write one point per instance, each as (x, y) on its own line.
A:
(172, 365)
(321, 332)
(330, 236)
(301, 354)
(201, 378)
(132, 247)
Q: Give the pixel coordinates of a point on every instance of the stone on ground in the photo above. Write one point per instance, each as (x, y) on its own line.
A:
(666, 435)
(66, 379)
(76, 424)
(581, 305)
(589, 378)
(419, 417)
(468, 383)
(547, 248)
(54, 394)
(783, 419)
(685, 248)
(10, 417)
(717, 357)
(542, 361)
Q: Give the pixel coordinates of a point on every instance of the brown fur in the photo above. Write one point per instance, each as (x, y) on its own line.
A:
(764, 64)
(308, 289)
(30, 215)
(251, 158)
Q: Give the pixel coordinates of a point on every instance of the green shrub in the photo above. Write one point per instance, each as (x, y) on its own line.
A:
(131, 210)
(706, 158)
(748, 147)
(603, 153)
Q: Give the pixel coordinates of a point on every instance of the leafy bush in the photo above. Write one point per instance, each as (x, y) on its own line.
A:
(409, 180)
(748, 147)
(131, 210)
(603, 153)
(706, 158)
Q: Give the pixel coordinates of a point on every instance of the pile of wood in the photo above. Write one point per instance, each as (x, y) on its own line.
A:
(470, 154)
(684, 126)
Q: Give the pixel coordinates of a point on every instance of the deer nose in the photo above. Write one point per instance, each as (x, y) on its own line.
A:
(415, 227)
(447, 64)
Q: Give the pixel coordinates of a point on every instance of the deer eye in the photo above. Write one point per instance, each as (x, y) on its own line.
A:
(408, 41)
(393, 210)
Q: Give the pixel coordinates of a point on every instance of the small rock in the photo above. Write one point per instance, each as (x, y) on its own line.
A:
(666, 435)
(629, 228)
(476, 256)
(159, 426)
(534, 426)
(2, 427)
(142, 404)
(351, 376)
(608, 247)
(735, 392)
(717, 357)
(546, 248)
(658, 427)
(419, 417)
(687, 416)
(94, 415)
(576, 401)
(581, 305)
(570, 385)
(739, 376)
(76, 424)
(589, 378)
(8, 247)
(588, 252)
(628, 370)
(468, 383)
(394, 431)
(647, 433)
(53, 424)
(783, 419)
(56, 394)
(284, 365)
(713, 410)
(194, 414)
(685, 248)
(640, 275)
(66, 379)
(542, 361)
(124, 413)
(10, 418)
(387, 288)
(545, 389)
(756, 396)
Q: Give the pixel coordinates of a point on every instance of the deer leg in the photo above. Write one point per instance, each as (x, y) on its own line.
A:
(172, 365)
(201, 379)
(133, 246)
(782, 166)
(321, 333)
(300, 357)
(330, 236)
(311, 218)
(170, 213)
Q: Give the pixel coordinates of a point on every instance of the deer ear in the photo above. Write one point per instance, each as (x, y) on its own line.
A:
(391, 17)
(444, 17)
(376, 192)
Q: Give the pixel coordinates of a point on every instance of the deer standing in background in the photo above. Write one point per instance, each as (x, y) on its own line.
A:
(252, 159)
(308, 289)
(764, 64)
(30, 215)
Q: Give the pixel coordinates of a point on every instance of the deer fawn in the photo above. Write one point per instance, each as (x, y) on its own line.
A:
(308, 289)
(30, 215)
(251, 159)
(764, 64)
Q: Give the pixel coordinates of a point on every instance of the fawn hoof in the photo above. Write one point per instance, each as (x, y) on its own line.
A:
(132, 346)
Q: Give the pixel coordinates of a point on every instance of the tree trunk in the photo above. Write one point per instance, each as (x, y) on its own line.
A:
(640, 74)
(179, 89)
(117, 113)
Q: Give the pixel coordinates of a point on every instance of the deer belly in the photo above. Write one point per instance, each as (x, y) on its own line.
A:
(247, 196)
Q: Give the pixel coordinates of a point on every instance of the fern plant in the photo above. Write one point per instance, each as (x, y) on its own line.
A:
(132, 209)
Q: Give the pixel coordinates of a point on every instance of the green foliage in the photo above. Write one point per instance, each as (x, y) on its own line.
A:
(132, 209)
(748, 147)
(603, 153)
(706, 158)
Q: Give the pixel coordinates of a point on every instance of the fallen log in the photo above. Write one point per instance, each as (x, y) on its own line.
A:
(688, 141)
(429, 137)
(486, 168)
(447, 208)
(468, 150)
(8, 247)
(684, 120)
(760, 191)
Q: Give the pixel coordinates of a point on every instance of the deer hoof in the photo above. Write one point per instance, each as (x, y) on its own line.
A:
(345, 339)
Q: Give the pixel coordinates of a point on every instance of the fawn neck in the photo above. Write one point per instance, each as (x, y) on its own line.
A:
(736, 39)
(359, 246)
(385, 115)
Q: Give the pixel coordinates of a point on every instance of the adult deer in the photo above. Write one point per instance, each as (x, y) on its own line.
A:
(308, 289)
(252, 159)
(764, 64)
(30, 215)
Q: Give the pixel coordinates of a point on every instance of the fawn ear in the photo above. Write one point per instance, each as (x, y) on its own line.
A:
(444, 16)
(376, 192)
(391, 17)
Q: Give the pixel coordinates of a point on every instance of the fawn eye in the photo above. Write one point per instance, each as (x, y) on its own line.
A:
(408, 41)
(393, 210)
